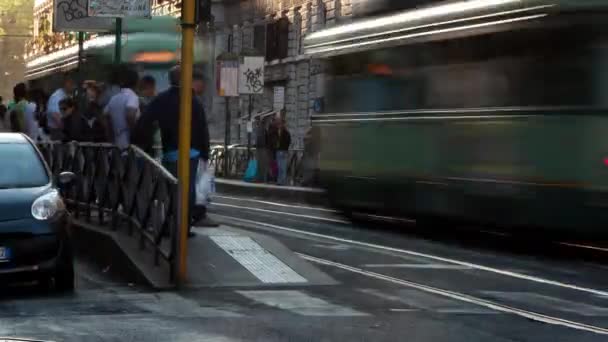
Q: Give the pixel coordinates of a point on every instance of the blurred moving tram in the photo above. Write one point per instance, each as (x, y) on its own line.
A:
(150, 46)
(485, 111)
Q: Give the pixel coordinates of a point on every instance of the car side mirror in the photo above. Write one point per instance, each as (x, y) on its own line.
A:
(65, 179)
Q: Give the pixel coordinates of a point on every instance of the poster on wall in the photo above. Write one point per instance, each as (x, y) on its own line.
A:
(71, 16)
(120, 8)
(227, 78)
(251, 75)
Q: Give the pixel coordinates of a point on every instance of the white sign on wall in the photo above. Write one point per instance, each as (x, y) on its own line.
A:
(251, 75)
(228, 77)
(279, 98)
(120, 8)
(71, 16)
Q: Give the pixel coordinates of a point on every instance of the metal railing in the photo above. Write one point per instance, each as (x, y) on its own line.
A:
(122, 190)
(238, 160)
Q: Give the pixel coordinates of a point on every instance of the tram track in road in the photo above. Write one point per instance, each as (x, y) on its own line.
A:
(586, 249)
(431, 257)
(535, 316)
(408, 277)
(493, 273)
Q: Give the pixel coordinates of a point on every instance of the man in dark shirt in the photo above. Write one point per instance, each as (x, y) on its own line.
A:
(164, 111)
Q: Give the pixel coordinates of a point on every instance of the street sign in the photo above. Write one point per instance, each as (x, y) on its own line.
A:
(120, 8)
(228, 77)
(251, 75)
(71, 16)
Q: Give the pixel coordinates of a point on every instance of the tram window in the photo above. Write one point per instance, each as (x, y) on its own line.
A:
(510, 69)
(528, 68)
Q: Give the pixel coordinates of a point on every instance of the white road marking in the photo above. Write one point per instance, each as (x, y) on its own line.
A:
(338, 247)
(276, 203)
(553, 303)
(424, 255)
(257, 260)
(281, 213)
(491, 232)
(463, 297)
(174, 305)
(300, 303)
(402, 310)
(418, 266)
(390, 218)
(420, 300)
(583, 246)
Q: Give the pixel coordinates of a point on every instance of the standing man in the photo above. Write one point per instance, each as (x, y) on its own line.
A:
(122, 111)
(32, 129)
(199, 86)
(283, 142)
(54, 121)
(147, 92)
(164, 111)
(112, 88)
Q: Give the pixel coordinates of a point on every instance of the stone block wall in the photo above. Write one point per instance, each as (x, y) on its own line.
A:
(299, 74)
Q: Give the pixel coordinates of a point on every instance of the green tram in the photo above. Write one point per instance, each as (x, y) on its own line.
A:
(152, 46)
(487, 111)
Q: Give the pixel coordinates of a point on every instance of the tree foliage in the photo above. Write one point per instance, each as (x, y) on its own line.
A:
(16, 17)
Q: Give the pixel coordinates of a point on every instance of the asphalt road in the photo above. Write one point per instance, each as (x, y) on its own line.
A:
(396, 282)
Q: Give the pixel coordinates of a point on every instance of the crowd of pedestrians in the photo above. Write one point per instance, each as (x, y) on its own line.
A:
(125, 111)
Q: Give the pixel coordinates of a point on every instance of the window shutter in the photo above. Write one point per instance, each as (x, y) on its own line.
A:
(283, 38)
(271, 41)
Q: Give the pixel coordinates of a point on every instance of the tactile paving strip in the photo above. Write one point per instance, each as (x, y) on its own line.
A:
(257, 260)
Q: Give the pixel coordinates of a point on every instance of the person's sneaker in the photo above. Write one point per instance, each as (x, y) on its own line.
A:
(206, 222)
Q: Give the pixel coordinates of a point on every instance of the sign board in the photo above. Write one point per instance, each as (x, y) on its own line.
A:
(227, 78)
(71, 16)
(251, 75)
(279, 98)
(120, 8)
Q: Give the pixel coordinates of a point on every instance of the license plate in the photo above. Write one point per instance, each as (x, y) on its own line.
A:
(5, 254)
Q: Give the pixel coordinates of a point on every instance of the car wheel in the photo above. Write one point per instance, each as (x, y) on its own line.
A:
(64, 273)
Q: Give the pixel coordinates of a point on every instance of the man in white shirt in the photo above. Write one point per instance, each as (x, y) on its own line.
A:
(53, 112)
(31, 124)
(122, 111)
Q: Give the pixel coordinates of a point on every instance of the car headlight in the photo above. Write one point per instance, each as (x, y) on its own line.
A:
(47, 206)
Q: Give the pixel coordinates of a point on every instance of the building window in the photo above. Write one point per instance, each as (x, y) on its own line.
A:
(277, 39)
(230, 42)
(259, 38)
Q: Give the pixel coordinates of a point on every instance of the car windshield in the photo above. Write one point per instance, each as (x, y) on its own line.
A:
(21, 167)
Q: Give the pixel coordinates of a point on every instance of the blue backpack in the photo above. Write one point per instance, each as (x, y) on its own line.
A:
(252, 170)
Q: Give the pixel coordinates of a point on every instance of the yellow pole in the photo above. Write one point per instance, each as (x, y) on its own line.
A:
(185, 123)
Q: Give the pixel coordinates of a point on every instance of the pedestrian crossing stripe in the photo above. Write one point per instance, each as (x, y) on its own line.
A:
(300, 303)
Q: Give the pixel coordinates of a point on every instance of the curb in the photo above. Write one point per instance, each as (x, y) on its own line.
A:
(106, 249)
(268, 191)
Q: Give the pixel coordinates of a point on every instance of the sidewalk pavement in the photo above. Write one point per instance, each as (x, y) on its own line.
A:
(271, 191)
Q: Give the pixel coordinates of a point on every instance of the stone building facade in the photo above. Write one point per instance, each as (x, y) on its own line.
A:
(274, 29)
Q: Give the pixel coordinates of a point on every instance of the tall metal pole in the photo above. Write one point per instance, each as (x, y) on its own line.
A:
(81, 95)
(185, 123)
(248, 124)
(118, 42)
(227, 138)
